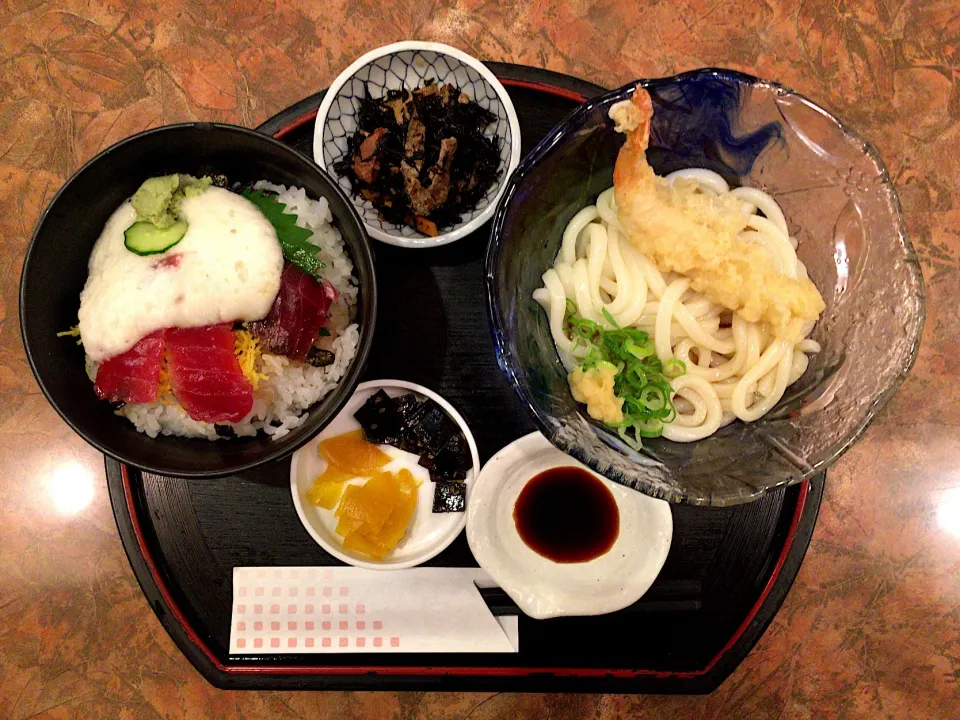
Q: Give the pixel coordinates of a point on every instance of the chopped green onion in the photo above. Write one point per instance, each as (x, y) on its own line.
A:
(649, 429)
(674, 368)
(639, 351)
(609, 319)
(641, 381)
(653, 398)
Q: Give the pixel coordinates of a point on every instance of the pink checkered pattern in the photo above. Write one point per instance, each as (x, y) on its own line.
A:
(293, 626)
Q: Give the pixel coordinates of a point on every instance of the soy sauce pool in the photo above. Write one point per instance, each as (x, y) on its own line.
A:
(567, 515)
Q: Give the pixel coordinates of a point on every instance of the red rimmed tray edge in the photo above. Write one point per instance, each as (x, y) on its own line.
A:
(753, 624)
(465, 670)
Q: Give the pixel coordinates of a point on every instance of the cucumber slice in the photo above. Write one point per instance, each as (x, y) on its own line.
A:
(145, 238)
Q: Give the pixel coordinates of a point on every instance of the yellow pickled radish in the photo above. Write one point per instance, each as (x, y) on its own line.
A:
(325, 494)
(352, 453)
(373, 517)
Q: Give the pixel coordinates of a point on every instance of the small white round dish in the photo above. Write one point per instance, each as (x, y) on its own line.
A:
(407, 65)
(543, 588)
(428, 533)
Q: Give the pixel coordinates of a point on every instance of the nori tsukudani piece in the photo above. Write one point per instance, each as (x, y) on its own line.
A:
(407, 405)
(447, 475)
(427, 430)
(451, 461)
(412, 441)
(380, 420)
(379, 399)
(438, 113)
(320, 358)
(436, 427)
(449, 497)
(368, 411)
(455, 455)
(414, 438)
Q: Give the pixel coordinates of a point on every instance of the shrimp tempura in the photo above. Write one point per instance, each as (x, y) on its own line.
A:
(698, 235)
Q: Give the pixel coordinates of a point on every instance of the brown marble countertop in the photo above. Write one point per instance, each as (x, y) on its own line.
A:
(872, 626)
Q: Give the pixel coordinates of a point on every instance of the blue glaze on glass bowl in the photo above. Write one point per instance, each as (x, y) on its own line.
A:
(839, 202)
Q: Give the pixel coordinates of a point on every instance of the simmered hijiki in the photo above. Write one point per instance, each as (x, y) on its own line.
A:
(213, 312)
(421, 156)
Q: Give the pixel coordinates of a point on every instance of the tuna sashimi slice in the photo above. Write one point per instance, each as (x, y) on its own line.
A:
(205, 374)
(300, 310)
(134, 376)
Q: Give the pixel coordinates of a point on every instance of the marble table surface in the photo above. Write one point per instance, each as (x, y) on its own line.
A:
(872, 626)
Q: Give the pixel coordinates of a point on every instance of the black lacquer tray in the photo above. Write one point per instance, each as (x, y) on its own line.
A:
(727, 573)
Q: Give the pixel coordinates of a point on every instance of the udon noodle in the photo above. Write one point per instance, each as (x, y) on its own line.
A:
(734, 369)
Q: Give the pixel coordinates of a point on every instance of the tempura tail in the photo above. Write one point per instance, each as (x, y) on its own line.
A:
(633, 178)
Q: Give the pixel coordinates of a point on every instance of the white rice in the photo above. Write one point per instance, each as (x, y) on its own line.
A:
(290, 388)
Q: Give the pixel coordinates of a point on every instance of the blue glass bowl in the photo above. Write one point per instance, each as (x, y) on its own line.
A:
(839, 202)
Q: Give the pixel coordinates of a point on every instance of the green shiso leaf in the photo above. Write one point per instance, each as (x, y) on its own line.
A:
(293, 238)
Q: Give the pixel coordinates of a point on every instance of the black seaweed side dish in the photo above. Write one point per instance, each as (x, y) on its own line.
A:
(421, 156)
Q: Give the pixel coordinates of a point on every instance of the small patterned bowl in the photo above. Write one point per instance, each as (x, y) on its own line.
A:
(409, 65)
